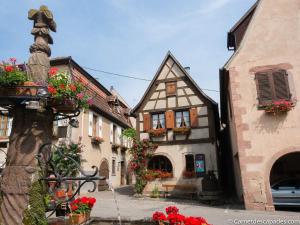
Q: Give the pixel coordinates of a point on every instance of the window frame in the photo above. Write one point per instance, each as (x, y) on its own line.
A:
(4, 129)
(182, 118)
(95, 126)
(158, 120)
(193, 168)
(159, 158)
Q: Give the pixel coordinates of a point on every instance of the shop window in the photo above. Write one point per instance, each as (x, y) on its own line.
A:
(161, 163)
(183, 119)
(158, 121)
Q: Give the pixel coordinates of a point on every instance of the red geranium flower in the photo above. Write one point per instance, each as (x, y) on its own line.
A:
(159, 216)
(52, 90)
(62, 86)
(175, 218)
(72, 87)
(53, 71)
(92, 200)
(9, 68)
(171, 209)
(74, 207)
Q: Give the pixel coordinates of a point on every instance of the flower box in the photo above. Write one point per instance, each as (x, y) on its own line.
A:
(76, 219)
(96, 140)
(189, 174)
(161, 132)
(63, 105)
(182, 130)
(277, 107)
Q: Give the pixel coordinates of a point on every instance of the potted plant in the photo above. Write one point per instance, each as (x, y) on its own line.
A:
(182, 130)
(173, 217)
(81, 209)
(160, 132)
(67, 94)
(277, 107)
(97, 140)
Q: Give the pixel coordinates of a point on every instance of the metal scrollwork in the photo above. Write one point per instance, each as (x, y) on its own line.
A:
(45, 159)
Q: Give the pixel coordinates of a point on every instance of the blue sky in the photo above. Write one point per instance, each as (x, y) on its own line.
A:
(130, 36)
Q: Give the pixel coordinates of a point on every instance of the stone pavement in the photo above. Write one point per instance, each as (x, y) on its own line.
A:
(133, 208)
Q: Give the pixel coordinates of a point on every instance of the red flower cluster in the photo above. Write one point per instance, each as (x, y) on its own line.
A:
(278, 106)
(174, 218)
(9, 68)
(53, 71)
(52, 90)
(81, 205)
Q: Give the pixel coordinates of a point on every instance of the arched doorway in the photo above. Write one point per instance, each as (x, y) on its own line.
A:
(103, 171)
(160, 162)
(285, 180)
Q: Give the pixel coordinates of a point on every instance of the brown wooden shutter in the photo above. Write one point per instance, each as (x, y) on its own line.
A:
(264, 88)
(194, 117)
(147, 121)
(170, 120)
(171, 88)
(281, 85)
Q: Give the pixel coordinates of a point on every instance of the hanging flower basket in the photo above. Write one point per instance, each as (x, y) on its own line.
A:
(277, 107)
(182, 130)
(63, 105)
(161, 132)
(97, 140)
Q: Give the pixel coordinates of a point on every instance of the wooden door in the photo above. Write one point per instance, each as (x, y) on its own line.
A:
(103, 171)
(123, 172)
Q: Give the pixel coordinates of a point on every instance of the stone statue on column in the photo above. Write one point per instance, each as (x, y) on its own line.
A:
(31, 129)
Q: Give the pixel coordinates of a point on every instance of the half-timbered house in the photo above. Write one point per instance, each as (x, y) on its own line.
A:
(176, 114)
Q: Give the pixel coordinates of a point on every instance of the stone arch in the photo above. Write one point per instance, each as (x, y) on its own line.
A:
(103, 171)
(167, 155)
(269, 165)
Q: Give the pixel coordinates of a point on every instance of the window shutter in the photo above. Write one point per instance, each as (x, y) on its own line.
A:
(100, 126)
(111, 133)
(90, 131)
(147, 121)
(194, 117)
(281, 85)
(171, 88)
(119, 132)
(264, 88)
(170, 120)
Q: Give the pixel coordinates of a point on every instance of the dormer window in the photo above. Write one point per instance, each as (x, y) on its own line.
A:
(183, 119)
(158, 121)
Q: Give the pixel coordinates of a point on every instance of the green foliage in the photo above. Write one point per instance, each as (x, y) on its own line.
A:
(155, 192)
(35, 214)
(67, 158)
(129, 133)
(11, 75)
(140, 153)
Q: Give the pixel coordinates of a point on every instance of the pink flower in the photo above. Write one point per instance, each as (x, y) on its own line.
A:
(80, 96)
(90, 101)
(13, 60)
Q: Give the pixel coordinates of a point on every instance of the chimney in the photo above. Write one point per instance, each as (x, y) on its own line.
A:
(187, 69)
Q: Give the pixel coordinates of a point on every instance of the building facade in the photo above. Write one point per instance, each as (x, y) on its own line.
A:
(259, 91)
(183, 121)
(105, 120)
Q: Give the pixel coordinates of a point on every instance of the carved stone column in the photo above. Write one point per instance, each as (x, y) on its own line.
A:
(30, 129)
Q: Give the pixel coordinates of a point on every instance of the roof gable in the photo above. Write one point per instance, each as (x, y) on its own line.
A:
(188, 92)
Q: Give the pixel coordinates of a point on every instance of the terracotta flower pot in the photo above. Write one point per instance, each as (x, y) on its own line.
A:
(77, 218)
(60, 193)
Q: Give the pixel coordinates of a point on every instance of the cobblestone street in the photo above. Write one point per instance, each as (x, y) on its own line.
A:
(134, 208)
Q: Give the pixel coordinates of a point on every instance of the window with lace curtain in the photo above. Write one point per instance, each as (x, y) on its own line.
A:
(158, 121)
(3, 126)
(183, 119)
